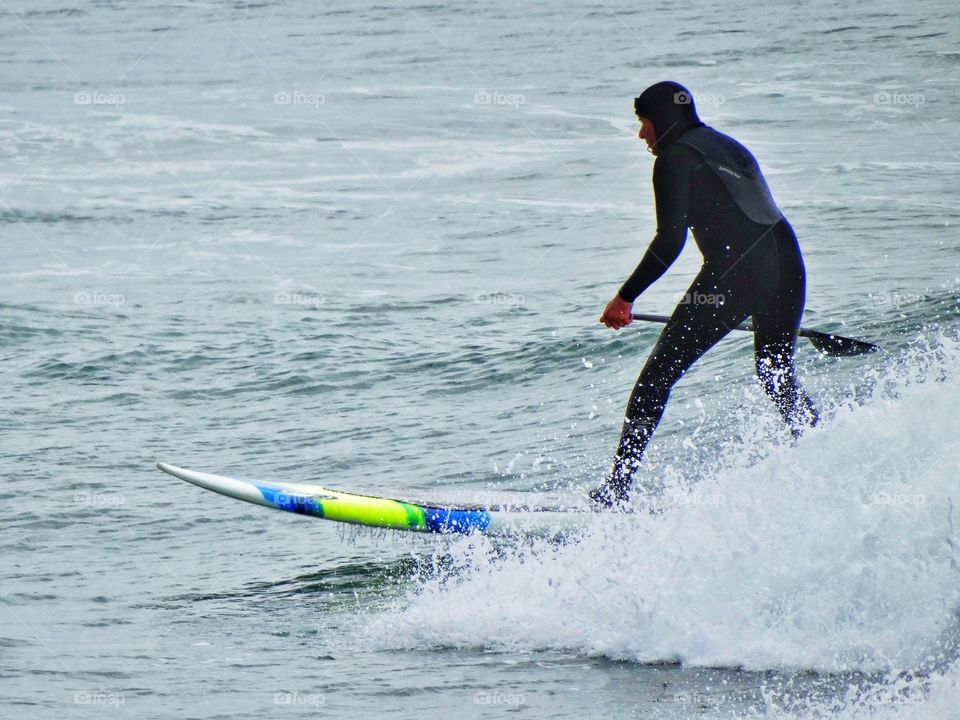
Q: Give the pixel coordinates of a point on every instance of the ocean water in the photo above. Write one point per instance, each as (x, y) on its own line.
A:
(366, 245)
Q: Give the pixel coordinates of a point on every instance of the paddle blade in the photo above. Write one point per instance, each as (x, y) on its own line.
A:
(837, 345)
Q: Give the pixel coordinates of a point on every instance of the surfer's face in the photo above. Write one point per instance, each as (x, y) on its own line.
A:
(647, 134)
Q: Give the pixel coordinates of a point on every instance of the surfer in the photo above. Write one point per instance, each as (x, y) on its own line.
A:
(752, 267)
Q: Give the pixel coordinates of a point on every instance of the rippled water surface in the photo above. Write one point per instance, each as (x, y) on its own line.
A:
(366, 245)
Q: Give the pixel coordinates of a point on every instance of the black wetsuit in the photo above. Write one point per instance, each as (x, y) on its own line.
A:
(752, 267)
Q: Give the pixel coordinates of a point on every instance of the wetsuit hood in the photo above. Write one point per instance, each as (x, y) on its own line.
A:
(669, 106)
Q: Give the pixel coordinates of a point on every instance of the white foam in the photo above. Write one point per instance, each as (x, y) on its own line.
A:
(834, 555)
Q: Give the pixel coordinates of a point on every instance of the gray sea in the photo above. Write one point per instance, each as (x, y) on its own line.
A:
(366, 245)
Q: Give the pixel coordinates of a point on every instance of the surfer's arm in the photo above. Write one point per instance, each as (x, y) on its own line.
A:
(672, 192)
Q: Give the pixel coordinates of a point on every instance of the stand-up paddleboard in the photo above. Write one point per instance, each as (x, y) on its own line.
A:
(378, 512)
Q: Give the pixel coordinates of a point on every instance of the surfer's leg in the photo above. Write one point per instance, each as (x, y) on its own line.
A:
(775, 340)
(696, 325)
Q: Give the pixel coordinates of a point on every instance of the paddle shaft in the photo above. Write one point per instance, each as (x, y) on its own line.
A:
(824, 342)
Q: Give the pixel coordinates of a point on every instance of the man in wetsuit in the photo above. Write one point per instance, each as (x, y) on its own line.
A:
(752, 267)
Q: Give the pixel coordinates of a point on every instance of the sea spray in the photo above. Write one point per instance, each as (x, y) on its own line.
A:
(836, 555)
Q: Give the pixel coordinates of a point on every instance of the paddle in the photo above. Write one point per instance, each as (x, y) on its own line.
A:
(827, 343)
